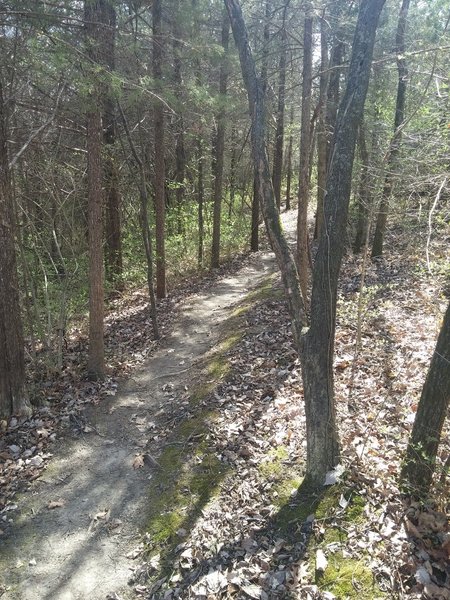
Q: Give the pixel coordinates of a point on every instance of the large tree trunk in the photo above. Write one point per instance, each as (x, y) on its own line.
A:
(318, 343)
(113, 235)
(419, 465)
(305, 146)
(316, 347)
(219, 149)
(160, 172)
(279, 133)
(96, 358)
(13, 394)
(394, 147)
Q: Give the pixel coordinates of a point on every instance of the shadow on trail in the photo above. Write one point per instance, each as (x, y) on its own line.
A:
(77, 550)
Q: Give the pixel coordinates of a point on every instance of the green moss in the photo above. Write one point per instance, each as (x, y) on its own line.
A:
(349, 578)
(273, 467)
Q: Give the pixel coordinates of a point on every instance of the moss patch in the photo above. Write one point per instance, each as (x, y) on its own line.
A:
(349, 578)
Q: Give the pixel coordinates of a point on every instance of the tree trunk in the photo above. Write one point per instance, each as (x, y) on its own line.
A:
(279, 134)
(364, 199)
(316, 347)
(200, 197)
(305, 145)
(254, 238)
(394, 147)
(145, 226)
(256, 200)
(220, 145)
(113, 235)
(160, 173)
(419, 465)
(321, 128)
(180, 153)
(13, 393)
(318, 343)
(333, 93)
(289, 160)
(96, 358)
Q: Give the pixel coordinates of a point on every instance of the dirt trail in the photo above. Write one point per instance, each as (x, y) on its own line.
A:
(76, 551)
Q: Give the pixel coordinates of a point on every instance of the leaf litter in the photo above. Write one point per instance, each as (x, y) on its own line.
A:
(235, 549)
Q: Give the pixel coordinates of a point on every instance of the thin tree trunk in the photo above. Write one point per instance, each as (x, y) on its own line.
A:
(180, 152)
(13, 392)
(113, 234)
(316, 347)
(254, 238)
(200, 198)
(420, 460)
(145, 227)
(321, 127)
(232, 179)
(333, 93)
(160, 174)
(394, 147)
(305, 145)
(289, 160)
(363, 194)
(256, 200)
(220, 146)
(279, 134)
(96, 358)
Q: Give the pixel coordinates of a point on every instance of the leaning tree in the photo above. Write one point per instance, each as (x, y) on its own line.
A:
(314, 339)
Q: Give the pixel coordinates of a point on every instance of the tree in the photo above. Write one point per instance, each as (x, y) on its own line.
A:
(316, 346)
(420, 460)
(256, 200)
(279, 133)
(219, 145)
(96, 359)
(159, 146)
(113, 233)
(394, 148)
(305, 147)
(13, 393)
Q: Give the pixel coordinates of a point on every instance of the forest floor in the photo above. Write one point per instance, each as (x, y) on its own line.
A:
(183, 480)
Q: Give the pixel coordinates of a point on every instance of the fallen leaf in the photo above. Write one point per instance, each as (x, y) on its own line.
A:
(138, 461)
(321, 561)
(56, 504)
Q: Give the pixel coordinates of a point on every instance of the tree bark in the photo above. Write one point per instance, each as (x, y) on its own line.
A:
(420, 460)
(305, 145)
(256, 200)
(289, 160)
(279, 133)
(160, 173)
(113, 233)
(364, 197)
(316, 347)
(321, 127)
(145, 227)
(96, 358)
(13, 392)
(394, 147)
(220, 145)
(180, 152)
(318, 342)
